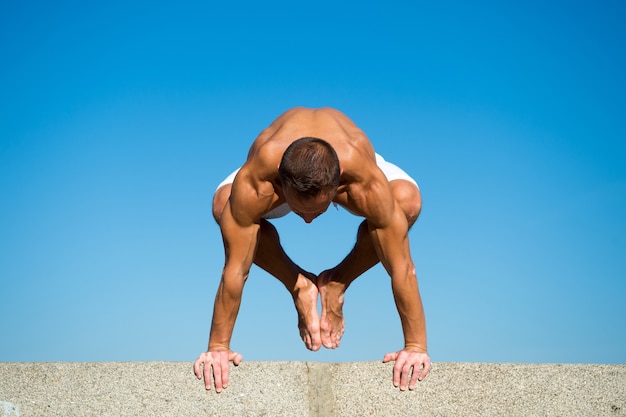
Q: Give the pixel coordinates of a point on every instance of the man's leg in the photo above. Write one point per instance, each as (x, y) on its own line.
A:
(333, 283)
(271, 257)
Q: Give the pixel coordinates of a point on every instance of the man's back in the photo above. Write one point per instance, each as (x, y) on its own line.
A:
(326, 123)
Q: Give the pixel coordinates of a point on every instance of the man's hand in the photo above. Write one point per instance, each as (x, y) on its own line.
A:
(408, 361)
(218, 363)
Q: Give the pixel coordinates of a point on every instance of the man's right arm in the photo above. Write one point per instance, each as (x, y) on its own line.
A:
(239, 249)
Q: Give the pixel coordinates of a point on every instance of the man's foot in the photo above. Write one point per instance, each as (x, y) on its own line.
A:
(305, 299)
(331, 322)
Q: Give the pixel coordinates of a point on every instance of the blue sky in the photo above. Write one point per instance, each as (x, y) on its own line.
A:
(118, 119)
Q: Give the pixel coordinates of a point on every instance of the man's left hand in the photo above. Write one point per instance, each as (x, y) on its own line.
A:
(408, 362)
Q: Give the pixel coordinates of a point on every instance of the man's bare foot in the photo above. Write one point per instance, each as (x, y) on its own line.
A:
(305, 299)
(332, 321)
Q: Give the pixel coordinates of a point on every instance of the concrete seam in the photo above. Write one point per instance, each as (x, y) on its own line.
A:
(320, 393)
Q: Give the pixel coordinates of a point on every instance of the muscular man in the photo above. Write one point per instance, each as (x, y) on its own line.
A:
(304, 161)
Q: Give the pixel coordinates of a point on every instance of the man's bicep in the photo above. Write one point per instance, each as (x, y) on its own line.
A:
(240, 241)
(391, 243)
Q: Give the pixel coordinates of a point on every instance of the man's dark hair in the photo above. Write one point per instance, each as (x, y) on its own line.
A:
(310, 166)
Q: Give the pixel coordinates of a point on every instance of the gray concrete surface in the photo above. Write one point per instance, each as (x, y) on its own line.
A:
(303, 389)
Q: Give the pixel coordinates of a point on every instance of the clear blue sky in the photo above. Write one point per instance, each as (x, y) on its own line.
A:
(119, 118)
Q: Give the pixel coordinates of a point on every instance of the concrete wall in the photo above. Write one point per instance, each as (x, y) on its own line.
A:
(303, 389)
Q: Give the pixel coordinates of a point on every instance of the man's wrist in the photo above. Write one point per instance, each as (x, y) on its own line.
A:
(416, 347)
(218, 347)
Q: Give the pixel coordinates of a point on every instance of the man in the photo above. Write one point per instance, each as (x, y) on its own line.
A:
(304, 161)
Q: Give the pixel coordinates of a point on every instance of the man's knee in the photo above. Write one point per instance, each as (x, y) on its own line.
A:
(409, 197)
(220, 198)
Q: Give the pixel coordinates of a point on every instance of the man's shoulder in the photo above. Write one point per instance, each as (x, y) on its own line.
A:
(358, 162)
(258, 176)
(264, 158)
(253, 193)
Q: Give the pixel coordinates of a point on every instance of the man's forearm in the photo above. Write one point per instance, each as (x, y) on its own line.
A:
(225, 310)
(394, 253)
(410, 309)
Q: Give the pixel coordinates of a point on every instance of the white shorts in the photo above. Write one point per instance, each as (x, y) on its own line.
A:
(391, 171)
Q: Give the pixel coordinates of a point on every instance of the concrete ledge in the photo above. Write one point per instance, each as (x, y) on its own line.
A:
(310, 389)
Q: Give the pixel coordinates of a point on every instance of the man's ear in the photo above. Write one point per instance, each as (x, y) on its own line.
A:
(340, 170)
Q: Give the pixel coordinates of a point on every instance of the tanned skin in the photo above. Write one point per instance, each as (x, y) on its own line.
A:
(389, 210)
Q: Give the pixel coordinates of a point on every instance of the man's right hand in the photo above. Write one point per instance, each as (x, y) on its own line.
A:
(216, 363)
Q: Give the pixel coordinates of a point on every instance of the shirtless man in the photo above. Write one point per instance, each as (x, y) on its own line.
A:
(304, 161)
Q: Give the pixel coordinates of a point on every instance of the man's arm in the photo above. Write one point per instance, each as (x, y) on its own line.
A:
(239, 248)
(392, 245)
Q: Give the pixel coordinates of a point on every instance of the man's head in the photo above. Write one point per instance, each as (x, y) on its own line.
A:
(310, 174)
(310, 167)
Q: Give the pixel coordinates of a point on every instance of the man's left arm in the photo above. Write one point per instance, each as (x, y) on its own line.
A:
(392, 245)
